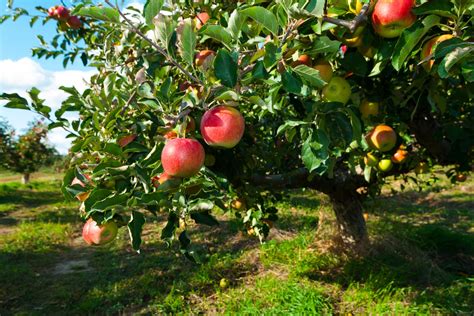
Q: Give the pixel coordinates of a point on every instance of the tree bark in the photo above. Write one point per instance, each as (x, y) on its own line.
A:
(25, 179)
(350, 219)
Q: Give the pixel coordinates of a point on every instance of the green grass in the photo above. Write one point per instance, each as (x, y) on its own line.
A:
(421, 261)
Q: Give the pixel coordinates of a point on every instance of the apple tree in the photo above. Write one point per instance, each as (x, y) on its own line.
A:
(199, 105)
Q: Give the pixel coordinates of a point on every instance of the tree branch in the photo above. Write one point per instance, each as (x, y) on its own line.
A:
(352, 25)
(158, 48)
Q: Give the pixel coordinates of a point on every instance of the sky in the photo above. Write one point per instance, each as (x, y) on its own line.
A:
(20, 72)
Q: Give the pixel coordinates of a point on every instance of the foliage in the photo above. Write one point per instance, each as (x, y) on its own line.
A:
(28, 152)
(142, 60)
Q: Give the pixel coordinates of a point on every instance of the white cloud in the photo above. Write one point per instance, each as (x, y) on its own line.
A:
(17, 76)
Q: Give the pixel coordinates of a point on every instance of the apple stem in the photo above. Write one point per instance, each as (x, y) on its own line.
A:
(158, 48)
(354, 23)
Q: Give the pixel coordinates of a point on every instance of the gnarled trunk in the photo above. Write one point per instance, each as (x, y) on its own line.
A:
(350, 219)
(25, 179)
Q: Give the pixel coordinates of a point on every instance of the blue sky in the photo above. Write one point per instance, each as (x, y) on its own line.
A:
(19, 71)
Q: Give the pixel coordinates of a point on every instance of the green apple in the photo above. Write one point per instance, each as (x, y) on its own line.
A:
(337, 90)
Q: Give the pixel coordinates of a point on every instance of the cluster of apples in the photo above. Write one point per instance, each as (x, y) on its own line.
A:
(66, 20)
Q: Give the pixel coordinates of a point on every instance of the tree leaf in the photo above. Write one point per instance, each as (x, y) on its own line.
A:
(235, 24)
(410, 38)
(225, 68)
(316, 7)
(151, 9)
(204, 218)
(310, 76)
(187, 42)
(438, 7)
(454, 57)
(100, 13)
(218, 33)
(314, 151)
(15, 101)
(135, 227)
(164, 28)
(263, 17)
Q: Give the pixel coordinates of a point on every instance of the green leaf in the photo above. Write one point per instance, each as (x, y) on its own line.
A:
(367, 172)
(225, 68)
(324, 44)
(316, 7)
(100, 13)
(151, 9)
(15, 101)
(187, 42)
(113, 148)
(168, 231)
(135, 227)
(218, 33)
(356, 63)
(438, 7)
(263, 17)
(291, 83)
(236, 21)
(314, 151)
(110, 202)
(454, 57)
(204, 218)
(164, 28)
(410, 38)
(310, 76)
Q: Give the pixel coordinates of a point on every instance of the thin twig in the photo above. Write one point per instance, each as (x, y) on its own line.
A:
(130, 100)
(158, 48)
(353, 24)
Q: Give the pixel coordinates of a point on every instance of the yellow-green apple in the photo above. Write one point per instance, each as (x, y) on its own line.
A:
(201, 19)
(421, 167)
(428, 48)
(222, 126)
(182, 157)
(371, 160)
(204, 57)
(337, 90)
(368, 108)
(74, 22)
(95, 234)
(324, 68)
(385, 165)
(400, 156)
(160, 179)
(391, 17)
(302, 60)
(382, 138)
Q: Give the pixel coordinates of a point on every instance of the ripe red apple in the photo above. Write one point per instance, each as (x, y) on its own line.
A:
(74, 22)
(382, 138)
(324, 68)
(428, 49)
(52, 12)
(201, 19)
(302, 60)
(222, 126)
(62, 13)
(160, 179)
(461, 177)
(204, 57)
(182, 157)
(391, 17)
(337, 90)
(368, 108)
(400, 156)
(94, 234)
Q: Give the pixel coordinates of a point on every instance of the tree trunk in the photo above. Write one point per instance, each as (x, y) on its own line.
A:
(350, 219)
(25, 179)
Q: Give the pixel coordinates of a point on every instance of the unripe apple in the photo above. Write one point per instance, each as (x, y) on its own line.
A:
(222, 126)
(337, 90)
(62, 13)
(204, 57)
(74, 22)
(201, 19)
(391, 17)
(368, 108)
(302, 60)
(324, 68)
(399, 156)
(385, 165)
(382, 138)
(94, 234)
(371, 160)
(182, 157)
(428, 49)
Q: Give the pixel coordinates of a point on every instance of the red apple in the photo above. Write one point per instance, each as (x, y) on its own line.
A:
(74, 22)
(201, 19)
(94, 234)
(391, 17)
(382, 138)
(204, 57)
(302, 60)
(160, 179)
(400, 156)
(52, 12)
(182, 157)
(428, 49)
(62, 13)
(222, 126)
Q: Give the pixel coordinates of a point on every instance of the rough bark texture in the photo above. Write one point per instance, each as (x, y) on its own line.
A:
(25, 179)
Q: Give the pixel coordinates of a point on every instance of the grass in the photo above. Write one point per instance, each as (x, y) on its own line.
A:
(421, 260)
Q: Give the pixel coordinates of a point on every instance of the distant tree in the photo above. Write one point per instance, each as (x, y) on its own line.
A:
(28, 152)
